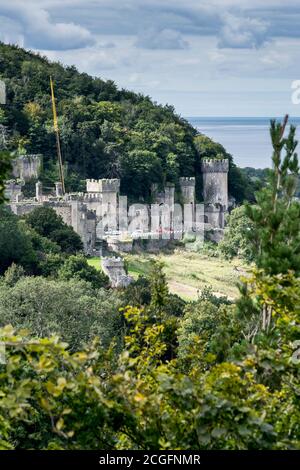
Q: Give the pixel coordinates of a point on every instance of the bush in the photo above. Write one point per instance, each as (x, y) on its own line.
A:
(15, 244)
(77, 267)
(72, 309)
(208, 325)
(47, 223)
(236, 239)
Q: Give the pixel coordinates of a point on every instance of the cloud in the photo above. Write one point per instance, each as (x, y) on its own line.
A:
(242, 32)
(11, 32)
(39, 31)
(164, 39)
(73, 24)
(107, 45)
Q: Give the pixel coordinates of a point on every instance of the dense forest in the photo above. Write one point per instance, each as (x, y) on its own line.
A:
(105, 132)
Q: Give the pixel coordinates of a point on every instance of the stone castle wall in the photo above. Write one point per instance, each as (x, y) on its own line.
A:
(27, 167)
(103, 185)
(84, 211)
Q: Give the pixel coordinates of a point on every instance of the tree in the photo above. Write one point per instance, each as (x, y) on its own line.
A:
(139, 170)
(13, 274)
(212, 327)
(53, 398)
(47, 223)
(275, 234)
(158, 289)
(236, 239)
(15, 245)
(71, 309)
(77, 267)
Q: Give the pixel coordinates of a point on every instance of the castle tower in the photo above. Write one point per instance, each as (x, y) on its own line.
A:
(106, 194)
(215, 191)
(187, 186)
(108, 189)
(165, 213)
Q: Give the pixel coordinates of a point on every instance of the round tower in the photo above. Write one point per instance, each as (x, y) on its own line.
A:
(215, 190)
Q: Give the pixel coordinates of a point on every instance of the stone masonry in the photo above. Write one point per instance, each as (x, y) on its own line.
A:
(87, 210)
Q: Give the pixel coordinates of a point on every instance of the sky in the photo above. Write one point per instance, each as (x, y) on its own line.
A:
(204, 57)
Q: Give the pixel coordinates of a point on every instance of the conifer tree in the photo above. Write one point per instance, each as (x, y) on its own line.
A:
(275, 238)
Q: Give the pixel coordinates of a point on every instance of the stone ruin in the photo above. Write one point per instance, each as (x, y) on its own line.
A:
(85, 211)
(114, 269)
(27, 167)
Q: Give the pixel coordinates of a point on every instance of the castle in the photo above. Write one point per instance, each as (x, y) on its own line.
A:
(87, 211)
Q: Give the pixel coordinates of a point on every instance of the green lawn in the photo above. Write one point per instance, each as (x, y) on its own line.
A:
(188, 273)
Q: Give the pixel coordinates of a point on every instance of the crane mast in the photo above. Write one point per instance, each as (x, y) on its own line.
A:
(56, 129)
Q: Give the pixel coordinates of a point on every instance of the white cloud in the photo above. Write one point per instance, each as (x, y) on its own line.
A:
(164, 39)
(191, 54)
(39, 31)
(242, 32)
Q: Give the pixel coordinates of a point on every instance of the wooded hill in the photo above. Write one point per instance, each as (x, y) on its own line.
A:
(105, 132)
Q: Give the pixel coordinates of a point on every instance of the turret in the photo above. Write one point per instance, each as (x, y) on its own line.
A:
(58, 189)
(187, 186)
(215, 190)
(103, 185)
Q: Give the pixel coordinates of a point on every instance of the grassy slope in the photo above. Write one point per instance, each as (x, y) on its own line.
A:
(188, 273)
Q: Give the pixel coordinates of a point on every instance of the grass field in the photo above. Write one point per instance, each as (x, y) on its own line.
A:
(188, 273)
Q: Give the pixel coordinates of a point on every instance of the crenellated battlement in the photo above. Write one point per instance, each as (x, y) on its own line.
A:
(103, 185)
(53, 202)
(187, 181)
(109, 185)
(214, 165)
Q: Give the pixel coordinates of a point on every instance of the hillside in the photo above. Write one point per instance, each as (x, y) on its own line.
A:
(105, 132)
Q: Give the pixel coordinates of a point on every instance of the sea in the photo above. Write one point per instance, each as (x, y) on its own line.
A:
(246, 138)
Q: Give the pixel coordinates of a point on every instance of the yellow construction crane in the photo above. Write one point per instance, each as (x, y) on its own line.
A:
(56, 129)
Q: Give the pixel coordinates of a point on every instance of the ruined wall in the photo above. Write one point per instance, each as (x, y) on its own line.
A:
(27, 167)
(24, 207)
(73, 213)
(13, 191)
(114, 269)
(63, 209)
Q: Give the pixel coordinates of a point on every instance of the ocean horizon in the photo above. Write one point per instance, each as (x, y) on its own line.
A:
(247, 139)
